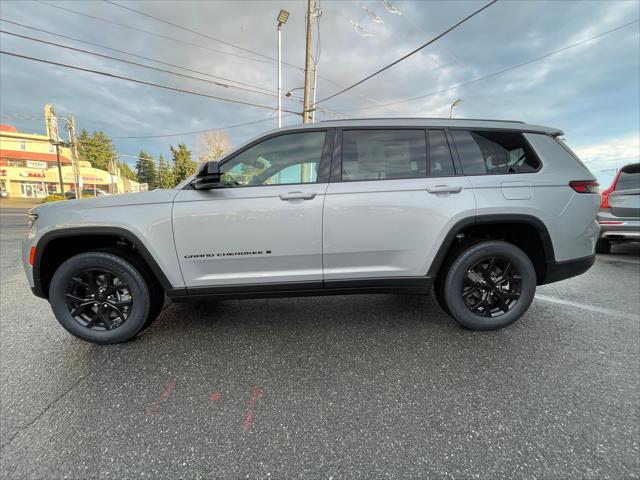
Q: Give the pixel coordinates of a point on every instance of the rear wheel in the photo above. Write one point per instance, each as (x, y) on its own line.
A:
(489, 285)
(100, 297)
(603, 246)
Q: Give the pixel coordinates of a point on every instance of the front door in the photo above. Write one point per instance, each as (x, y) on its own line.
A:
(264, 224)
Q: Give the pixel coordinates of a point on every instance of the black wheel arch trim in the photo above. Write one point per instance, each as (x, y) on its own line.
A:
(489, 219)
(41, 291)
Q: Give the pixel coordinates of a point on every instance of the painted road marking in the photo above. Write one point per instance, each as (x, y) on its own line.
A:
(163, 396)
(589, 308)
(248, 418)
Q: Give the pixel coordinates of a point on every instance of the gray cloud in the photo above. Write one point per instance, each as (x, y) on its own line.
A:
(591, 91)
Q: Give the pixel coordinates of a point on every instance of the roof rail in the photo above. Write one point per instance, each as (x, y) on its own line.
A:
(423, 118)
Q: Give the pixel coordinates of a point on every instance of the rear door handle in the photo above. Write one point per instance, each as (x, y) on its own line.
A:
(445, 189)
(297, 196)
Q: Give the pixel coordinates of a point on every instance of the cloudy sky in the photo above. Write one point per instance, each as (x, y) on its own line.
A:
(591, 91)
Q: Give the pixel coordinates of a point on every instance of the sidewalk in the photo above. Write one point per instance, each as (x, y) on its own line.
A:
(22, 203)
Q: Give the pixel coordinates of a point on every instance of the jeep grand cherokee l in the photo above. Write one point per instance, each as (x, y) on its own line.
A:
(481, 210)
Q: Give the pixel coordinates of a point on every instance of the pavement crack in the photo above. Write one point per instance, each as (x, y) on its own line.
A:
(48, 407)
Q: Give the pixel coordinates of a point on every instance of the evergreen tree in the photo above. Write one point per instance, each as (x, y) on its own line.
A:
(96, 148)
(164, 177)
(146, 169)
(183, 166)
(126, 172)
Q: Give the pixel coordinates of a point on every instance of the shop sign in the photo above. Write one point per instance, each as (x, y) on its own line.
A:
(36, 164)
(32, 174)
(3, 173)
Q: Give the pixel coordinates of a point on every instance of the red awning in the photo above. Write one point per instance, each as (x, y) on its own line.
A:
(40, 157)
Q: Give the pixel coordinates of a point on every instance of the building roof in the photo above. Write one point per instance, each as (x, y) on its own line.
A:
(8, 128)
(24, 155)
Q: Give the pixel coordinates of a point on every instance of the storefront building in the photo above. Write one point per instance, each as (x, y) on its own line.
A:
(29, 168)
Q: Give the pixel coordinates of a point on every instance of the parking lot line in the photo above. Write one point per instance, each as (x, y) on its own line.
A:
(589, 308)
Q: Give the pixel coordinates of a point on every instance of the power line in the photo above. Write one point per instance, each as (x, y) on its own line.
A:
(153, 33)
(499, 72)
(219, 84)
(178, 40)
(139, 12)
(228, 127)
(142, 82)
(468, 17)
(48, 32)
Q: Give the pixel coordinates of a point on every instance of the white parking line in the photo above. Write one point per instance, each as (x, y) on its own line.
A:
(613, 259)
(589, 308)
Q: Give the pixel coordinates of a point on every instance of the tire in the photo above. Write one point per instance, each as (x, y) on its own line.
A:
(603, 246)
(83, 277)
(515, 284)
(156, 293)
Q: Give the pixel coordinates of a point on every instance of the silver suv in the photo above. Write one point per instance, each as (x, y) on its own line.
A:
(481, 210)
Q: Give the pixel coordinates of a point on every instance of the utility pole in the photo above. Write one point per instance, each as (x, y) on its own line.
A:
(282, 19)
(77, 178)
(306, 114)
(60, 179)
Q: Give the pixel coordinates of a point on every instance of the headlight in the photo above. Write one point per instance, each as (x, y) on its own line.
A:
(32, 218)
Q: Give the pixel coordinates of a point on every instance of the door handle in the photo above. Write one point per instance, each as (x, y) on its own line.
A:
(297, 196)
(445, 189)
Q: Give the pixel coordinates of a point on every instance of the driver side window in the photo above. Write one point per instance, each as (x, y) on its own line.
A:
(286, 159)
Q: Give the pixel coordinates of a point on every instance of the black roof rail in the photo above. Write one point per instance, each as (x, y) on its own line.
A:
(423, 118)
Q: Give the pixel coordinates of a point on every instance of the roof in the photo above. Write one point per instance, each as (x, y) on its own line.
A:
(438, 122)
(8, 128)
(41, 157)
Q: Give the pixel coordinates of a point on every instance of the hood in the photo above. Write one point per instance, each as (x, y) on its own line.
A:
(120, 200)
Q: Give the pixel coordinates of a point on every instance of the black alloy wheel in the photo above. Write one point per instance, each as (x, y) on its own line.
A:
(492, 287)
(98, 299)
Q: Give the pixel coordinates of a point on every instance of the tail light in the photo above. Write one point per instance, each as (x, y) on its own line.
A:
(605, 198)
(32, 255)
(584, 186)
(605, 193)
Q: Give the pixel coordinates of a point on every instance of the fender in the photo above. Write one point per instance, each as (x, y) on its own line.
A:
(40, 291)
(449, 239)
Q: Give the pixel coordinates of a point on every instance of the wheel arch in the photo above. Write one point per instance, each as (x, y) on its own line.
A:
(539, 248)
(95, 237)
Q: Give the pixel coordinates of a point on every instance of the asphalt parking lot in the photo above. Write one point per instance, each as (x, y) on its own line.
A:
(334, 387)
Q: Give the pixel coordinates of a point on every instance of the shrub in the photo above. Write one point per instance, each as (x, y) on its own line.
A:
(52, 198)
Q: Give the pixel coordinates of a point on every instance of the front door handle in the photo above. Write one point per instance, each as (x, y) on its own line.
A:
(445, 189)
(297, 196)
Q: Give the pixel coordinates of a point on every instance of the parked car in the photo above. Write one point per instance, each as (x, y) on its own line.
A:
(619, 215)
(483, 211)
(86, 192)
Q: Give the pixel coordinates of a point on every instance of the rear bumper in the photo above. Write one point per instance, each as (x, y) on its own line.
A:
(557, 271)
(618, 228)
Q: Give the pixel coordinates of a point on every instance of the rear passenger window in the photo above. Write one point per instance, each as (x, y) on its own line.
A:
(629, 178)
(440, 160)
(494, 152)
(383, 154)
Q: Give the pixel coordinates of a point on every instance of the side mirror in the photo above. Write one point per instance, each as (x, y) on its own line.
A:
(207, 176)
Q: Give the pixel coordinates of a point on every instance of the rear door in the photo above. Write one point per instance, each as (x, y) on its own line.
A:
(390, 204)
(625, 199)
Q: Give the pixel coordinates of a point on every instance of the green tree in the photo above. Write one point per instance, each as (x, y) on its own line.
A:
(126, 171)
(146, 169)
(96, 148)
(183, 166)
(164, 177)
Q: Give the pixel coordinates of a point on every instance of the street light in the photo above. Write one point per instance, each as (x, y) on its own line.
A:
(282, 19)
(288, 94)
(454, 104)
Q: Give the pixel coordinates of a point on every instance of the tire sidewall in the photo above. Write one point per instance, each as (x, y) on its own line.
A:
(122, 269)
(466, 260)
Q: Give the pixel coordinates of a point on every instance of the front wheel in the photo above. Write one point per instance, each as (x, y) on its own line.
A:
(100, 297)
(489, 285)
